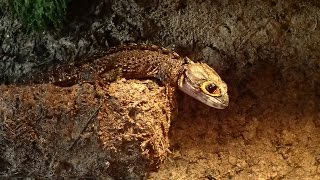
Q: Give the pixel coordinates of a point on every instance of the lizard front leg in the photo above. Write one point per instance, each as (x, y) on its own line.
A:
(171, 93)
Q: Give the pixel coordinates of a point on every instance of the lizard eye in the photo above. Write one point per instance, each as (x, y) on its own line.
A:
(210, 89)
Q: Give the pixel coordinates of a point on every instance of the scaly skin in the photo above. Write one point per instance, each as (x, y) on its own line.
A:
(142, 61)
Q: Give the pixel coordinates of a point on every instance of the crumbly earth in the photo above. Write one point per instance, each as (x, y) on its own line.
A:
(73, 132)
(267, 51)
(134, 127)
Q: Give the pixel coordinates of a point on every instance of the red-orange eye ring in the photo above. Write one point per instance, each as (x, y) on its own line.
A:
(211, 89)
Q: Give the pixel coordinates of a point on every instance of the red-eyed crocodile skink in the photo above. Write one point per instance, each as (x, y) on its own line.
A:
(135, 61)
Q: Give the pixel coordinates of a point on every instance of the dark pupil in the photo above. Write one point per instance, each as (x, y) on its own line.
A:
(211, 88)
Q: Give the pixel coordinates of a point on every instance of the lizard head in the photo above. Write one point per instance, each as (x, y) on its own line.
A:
(204, 84)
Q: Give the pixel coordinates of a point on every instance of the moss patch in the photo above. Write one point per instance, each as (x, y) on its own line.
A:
(39, 15)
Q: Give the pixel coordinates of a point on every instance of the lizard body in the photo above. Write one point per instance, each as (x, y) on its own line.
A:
(142, 61)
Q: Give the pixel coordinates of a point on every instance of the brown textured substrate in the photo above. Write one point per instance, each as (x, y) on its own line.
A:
(52, 132)
(134, 126)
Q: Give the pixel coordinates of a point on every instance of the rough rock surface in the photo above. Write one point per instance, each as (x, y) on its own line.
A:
(267, 51)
